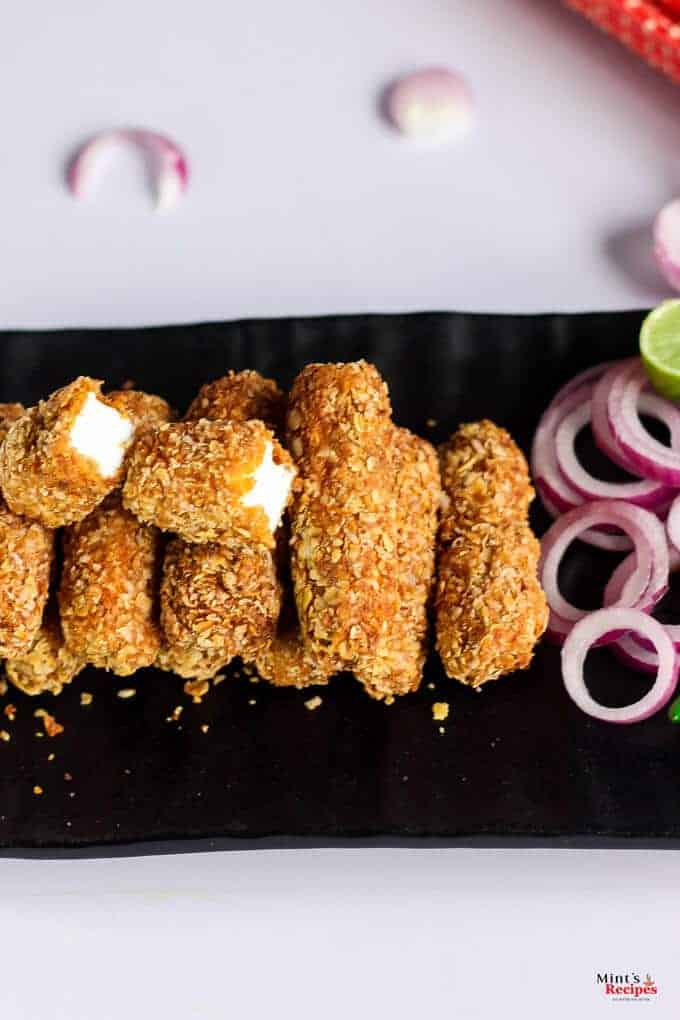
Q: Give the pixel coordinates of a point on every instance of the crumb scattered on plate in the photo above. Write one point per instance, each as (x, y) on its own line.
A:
(37, 790)
(252, 701)
(126, 692)
(51, 756)
(440, 711)
(10, 711)
(197, 689)
(312, 703)
(86, 698)
(68, 777)
(51, 726)
(204, 728)
(4, 735)
(431, 423)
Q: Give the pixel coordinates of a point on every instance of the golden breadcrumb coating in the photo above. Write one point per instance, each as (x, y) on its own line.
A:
(49, 665)
(344, 530)
(417, 498)
(239, 397)
(286, 662)
(192, 477)
(490, 608)
(26, 552)
(9, 413)
(190, 663)
(107, 595)
(221, 601)
(144, 409)
(487, 473)
(41, 474)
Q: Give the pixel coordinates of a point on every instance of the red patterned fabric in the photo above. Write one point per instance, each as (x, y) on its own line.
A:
(651, 30)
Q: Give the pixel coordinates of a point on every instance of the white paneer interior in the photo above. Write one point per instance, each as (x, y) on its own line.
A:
(271, 488)
(101, 433)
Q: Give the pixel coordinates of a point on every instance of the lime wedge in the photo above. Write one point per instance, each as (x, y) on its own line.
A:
(660, 348)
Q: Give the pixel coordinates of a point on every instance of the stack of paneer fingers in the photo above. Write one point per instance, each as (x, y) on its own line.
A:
(297, 533)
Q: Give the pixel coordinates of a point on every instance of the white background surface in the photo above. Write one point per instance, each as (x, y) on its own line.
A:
(303, 202)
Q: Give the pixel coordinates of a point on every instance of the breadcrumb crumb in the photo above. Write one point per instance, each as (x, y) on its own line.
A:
(197, 689)
(126, 692)
(51, 726)
(10, 711)
(440, 711)
(4, 735)
(37, 790)
(86, 698)
(312, 703)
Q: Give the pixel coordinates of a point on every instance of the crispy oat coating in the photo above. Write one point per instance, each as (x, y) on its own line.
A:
(191, 478)
(26, 552)
(487, 473)
(49, 665)
(9, 413)
(190, 663)
(42, 476)
(417, 499)
(107, 596)
(343, 525)
(286, 662)
(239, 397)
(220, 601)
(144, 409)
(490, 608)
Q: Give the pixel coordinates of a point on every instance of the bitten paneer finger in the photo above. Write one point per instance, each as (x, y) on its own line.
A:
(218, 601)
(239, 397)
(418, 496)
(210, 481)
(490, 608)
(61, 458)
(343, 525)
(26, 553)
(49, 665)
(107, 595)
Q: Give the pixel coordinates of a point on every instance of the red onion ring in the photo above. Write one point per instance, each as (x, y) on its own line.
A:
(651, 552)
(601, 539)
(647, 456)
(544, 467)
(630, 652)
(673, 524)
(618, 581)
(169, 166)
(588, 632)
(645, 493)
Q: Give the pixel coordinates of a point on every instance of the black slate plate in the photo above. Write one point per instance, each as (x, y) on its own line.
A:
(517, 765)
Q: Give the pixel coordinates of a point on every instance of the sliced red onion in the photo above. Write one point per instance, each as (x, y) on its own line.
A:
(615, 591)
(673, 523)
(546, 472)
(631, 653)
(600, 539)
(651, 552)
(667, 242)
(588, 632)
(433, 104)
(618, 581)
(647, 456)
(645, 493)
(168, 164)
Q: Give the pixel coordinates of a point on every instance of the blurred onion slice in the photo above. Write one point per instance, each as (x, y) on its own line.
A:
(433, 104)
(667, 242)
(167, 163)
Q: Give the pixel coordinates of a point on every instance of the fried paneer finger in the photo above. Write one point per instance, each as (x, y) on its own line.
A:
(61, 458)
(210, 481)
(239, 397)
(107, 596)
(26, 553)
(417, 498)
(218, 601)
(490, 608)
(343, 526)
(49, 665)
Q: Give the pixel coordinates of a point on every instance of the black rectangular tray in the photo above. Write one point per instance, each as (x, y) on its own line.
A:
(517, 765)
